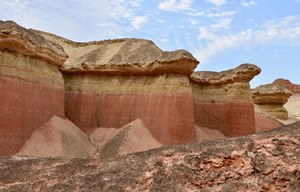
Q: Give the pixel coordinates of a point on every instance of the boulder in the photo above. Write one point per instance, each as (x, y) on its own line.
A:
(268, 161)
(32, 87)
(270, 99)
(222, 100)
(58, 138)
(114, 82)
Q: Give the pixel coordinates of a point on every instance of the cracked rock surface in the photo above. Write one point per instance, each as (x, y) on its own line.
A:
(268, 161)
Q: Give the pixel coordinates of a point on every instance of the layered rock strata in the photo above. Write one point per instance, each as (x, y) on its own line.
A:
(32, 87)
(270, 99)
(293, 88)
(111, 83)
(262, 162)
(222, 100)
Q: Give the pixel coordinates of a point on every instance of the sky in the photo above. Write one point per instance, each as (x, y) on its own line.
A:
(221, 34)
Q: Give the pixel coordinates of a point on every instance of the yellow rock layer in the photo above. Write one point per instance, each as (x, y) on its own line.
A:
(30, 69)
(100, 84)
(220, 93)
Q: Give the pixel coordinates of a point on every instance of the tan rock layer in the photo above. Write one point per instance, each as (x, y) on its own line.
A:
(137, 85)
(270, 99)
(126, 56)
(243, 73)
(221, 93)
(14, 38)
(270, 94)
(30, 69)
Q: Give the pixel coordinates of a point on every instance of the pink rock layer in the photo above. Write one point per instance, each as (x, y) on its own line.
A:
(232, 119)
(24, 106)
(169, 117)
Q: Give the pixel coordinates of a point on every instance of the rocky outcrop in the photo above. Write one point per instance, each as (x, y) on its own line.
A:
(112, 83)
(32, 87)
(58, 138)
(263, 162)
(222, 100)
(270, 99)
(293, 88)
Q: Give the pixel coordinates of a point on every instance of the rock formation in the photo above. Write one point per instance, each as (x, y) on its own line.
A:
(222, 100)
(32, 87)
(293, 88)
(114, 82)
(270, 99)
(261, 162)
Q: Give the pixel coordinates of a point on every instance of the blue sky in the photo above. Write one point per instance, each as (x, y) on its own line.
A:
(221, 34)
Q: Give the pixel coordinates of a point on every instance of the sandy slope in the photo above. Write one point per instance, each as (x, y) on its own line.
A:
(293, 106)
(58, 138)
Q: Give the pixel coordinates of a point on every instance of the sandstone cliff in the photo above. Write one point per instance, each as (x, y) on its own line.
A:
(32, 87)
(114, 82)
(222, 100)
(261, 162)
(270, 99)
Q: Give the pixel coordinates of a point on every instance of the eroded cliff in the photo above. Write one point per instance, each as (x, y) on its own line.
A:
(222, 100)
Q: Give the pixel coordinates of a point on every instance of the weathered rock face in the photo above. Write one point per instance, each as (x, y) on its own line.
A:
(32, 88)
(112, 83)
(222, 101)
(293, 88)
(270, 99)
(263, 162)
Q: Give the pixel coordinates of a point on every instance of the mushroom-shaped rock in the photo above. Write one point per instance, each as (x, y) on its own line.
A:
(127, 56)
(270, 99)
(15, 38)
(243, 73)
(222, 100)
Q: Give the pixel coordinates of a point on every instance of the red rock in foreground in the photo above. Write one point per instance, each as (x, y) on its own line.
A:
(268, 161)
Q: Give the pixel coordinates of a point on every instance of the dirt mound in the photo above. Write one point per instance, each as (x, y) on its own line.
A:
(58, 138)
(203, 133)
(133, 137)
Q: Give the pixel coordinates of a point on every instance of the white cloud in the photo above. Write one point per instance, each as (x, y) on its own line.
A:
(223, 23)
(284, 30)
(138, 21)
(248, 3)
(174, 5)
(222, 14)
(165, 40)
(217, 2)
